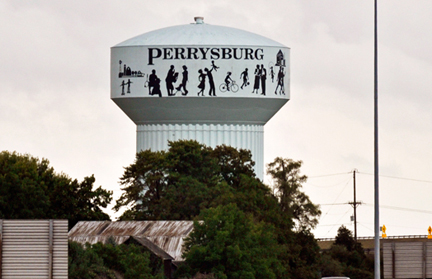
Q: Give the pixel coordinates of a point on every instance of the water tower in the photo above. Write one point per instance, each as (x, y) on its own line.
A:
(214, 84)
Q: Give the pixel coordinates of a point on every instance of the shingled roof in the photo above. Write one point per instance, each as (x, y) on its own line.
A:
(163, 238)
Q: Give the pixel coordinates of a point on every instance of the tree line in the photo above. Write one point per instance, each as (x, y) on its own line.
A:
(242, 227)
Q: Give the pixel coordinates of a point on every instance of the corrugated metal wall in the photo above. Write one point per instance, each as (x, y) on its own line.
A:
(407, 260)
(251, 137)
(34, 249)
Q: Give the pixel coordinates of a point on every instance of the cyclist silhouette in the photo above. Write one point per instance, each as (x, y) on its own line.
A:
(228, 79)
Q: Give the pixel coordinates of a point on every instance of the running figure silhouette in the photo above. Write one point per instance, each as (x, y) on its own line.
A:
(213, 66)
(245, 76)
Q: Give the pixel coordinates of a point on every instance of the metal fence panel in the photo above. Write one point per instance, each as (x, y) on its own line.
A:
(408, 259)
(34, 249)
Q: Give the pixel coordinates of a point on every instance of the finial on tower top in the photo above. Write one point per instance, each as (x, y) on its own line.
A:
(199, 19)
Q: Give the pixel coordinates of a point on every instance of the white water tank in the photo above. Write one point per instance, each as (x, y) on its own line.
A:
(214, 84)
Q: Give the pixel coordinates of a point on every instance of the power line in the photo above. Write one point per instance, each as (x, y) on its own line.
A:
(384, 206)
(387, 176)
(324, 175)
(365, 226)
(328, 186)
(336, 199)
(339, 224)
(402, 208)
(345, 203)
(401, 178)
(338, 221)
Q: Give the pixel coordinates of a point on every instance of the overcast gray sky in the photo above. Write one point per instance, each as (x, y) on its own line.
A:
(55, 100)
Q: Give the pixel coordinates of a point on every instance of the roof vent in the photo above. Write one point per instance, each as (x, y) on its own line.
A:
(199, 19)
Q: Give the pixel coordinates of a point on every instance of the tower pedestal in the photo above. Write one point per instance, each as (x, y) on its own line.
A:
(251, 137)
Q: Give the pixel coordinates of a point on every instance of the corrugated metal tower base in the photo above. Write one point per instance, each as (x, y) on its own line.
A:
(251, 137)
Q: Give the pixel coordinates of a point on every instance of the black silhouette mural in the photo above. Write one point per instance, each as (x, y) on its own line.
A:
(128, 85)
(127, 71)
(280, 82)
(229, 84)
(213, 66)
(228, 80)
(280, 60)
(154, 84)
(123, 84)
(257, 79)
(170, 79)
(212, 90)
(208, 76)
(183, 82)
(201, 84)
(245, 76)
(263, 79)
(156, 88)
(272, 73)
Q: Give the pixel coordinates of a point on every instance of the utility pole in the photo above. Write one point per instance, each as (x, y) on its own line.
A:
(354, 205)
(377, 265)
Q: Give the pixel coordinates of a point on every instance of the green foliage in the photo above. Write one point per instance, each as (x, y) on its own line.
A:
(300, 252)
(107, 260)
(136, 266)
(304, 256)
(358, 273)
(288, 182)
(345, 238)
(78, 201)
(86, 263)
(234, 163)
(346, 257)
(179, 183)
(229, 244)
(30, 189)
(110, 253)
(143, 185)
(330, 266)
(190, 180)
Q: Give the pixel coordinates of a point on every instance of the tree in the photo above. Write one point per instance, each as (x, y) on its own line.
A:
(86, 263)
(30, 189)
(109, 260)
(144, 184)
(187, 178)
(229, 244)
(347, 257)
(330, 267)
(77, 201)
(233, 163)
(345, 238)
(172, 185)
(304, 255)
(293, 202)
(23, 186)
(190, 180)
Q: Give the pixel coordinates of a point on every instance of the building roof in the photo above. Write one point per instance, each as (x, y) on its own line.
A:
(163, 238)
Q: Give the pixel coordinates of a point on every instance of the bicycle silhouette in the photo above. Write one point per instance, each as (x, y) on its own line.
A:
(231, 87)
